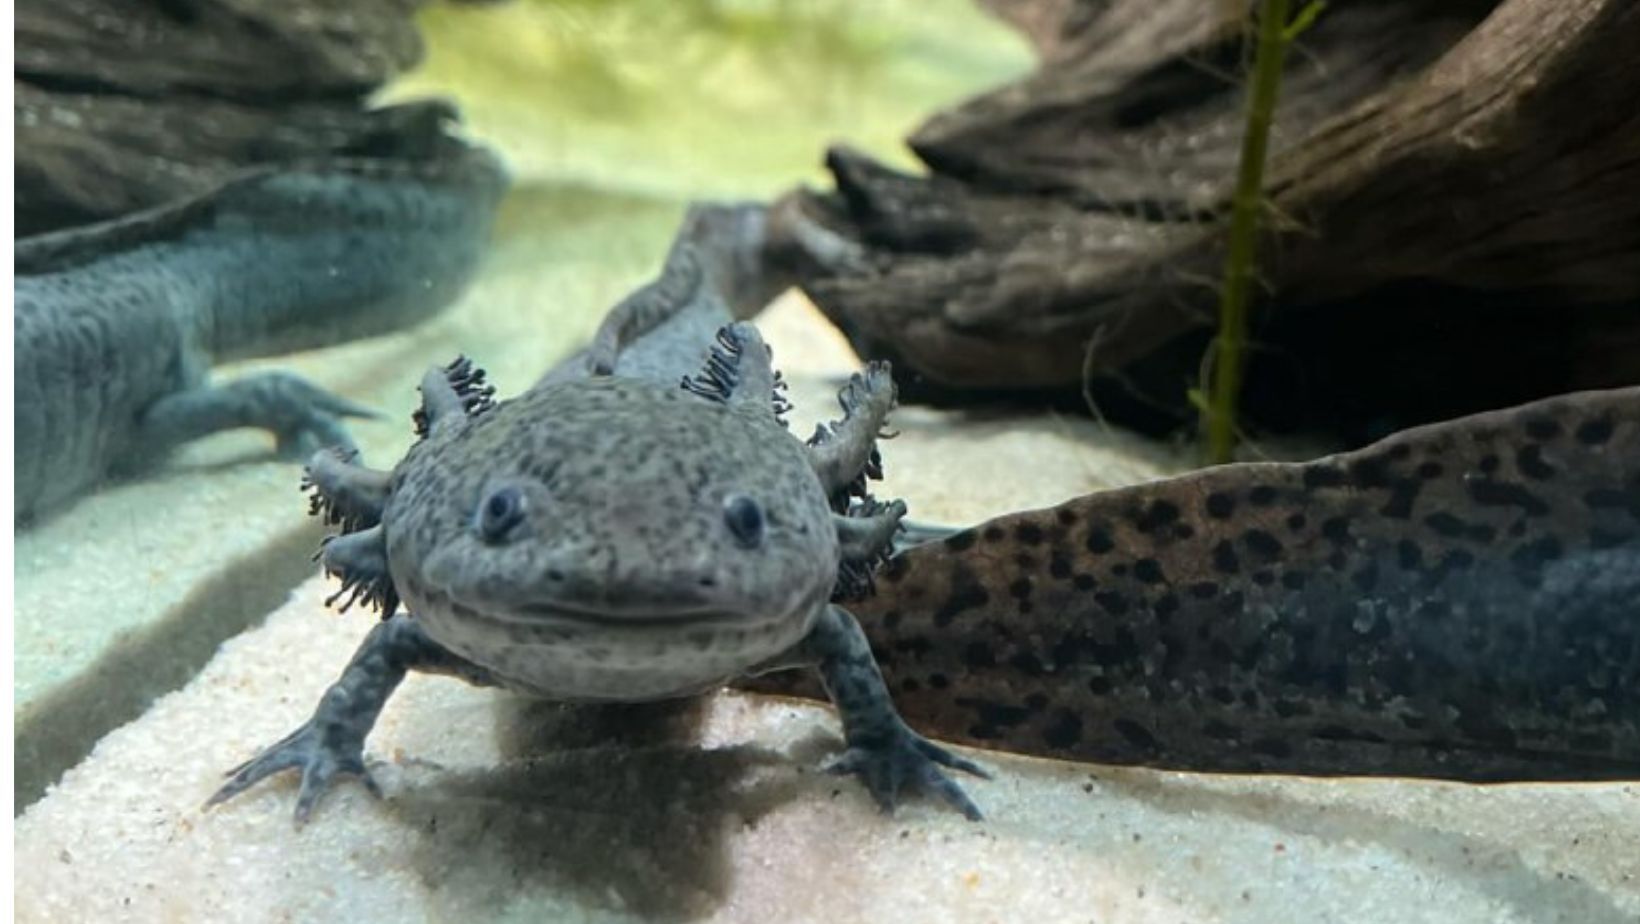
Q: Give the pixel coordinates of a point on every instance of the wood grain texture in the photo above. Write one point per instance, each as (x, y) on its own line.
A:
(1465, 172)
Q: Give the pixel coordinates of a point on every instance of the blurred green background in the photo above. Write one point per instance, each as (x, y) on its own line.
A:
(690, 98)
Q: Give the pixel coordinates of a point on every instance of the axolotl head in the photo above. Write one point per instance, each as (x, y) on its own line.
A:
(611, 538)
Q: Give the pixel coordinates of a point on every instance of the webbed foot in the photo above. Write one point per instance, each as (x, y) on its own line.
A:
(882, 750)
(906, 760)
(303, 417)
(331, 743)
(323, 750)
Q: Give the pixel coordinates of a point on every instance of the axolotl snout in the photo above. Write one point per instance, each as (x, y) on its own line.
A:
(616, 538)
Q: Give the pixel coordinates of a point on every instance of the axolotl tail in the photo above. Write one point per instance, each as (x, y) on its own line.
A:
(1458, 601)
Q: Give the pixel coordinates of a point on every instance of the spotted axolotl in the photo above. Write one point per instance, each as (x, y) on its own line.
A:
(1461, 601)
(639, 525)
(117, 324)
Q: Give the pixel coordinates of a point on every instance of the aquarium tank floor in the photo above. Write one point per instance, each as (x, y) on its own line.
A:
(498, 808)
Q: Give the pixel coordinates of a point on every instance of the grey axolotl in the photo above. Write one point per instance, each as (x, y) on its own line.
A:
(638, 525)
(117, 324)
(1460, 601)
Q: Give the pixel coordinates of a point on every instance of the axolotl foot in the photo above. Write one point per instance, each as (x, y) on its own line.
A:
(330, 745)
(302, 417)
(322, 749)
(904, 760)
(884, 752)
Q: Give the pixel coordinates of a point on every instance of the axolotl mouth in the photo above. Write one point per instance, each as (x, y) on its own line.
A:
(569, 598)
(566, 614)
(574, 651)
(645, 618)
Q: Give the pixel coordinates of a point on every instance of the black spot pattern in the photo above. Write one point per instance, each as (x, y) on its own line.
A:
(1148, 570)
(1157, 515)
(1595, 432)
(1529, 460)
(967, 593)
(978, 656)
(1220, 505)
(1136, 734)
(1064, 732)
(1307, 606)
(1099, 540)
(1262, 544)
(1499, 494)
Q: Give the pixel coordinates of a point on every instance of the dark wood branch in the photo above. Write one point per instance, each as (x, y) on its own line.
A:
(1453, 168)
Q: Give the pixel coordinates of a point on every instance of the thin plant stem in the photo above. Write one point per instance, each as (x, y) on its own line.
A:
(1275, 34)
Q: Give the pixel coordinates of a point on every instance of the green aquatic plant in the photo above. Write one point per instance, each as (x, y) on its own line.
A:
(1218, 406)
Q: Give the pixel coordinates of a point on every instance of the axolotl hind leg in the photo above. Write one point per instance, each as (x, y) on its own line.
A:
(302, 416)
(331, 743)
(881, 749)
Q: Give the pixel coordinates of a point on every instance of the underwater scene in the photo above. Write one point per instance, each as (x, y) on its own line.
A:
(1095, 461)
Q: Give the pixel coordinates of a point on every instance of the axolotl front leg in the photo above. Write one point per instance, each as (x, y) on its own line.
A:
(882, 750)
(331, 743)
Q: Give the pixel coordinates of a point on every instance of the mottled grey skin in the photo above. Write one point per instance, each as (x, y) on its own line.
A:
(117, 324)
(1459, 601)
(620, 532)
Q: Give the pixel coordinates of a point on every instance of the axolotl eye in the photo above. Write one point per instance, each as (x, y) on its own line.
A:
(744, 518)
(499, 512)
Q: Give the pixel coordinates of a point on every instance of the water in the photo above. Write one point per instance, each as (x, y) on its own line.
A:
(192, 585)
(610, 117)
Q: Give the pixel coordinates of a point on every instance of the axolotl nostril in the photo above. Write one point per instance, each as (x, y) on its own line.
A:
(639, 525)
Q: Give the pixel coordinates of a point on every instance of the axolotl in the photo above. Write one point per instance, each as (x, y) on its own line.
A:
(639, 525)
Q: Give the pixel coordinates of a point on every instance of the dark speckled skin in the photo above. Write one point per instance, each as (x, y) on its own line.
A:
(639, 525)
(619, 522)
(1458, 601)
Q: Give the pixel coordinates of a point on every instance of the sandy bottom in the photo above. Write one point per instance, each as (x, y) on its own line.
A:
(501, 809)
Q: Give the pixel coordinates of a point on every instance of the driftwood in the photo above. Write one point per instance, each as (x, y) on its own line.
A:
(123, 105)
(1455, 211)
